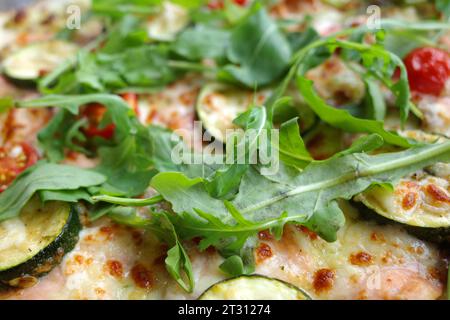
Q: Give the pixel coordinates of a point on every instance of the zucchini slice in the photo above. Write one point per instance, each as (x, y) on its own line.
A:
(35, 242)
(219, 104)
(28, 64)
(254, 287)
(168, 22)
(421, 202)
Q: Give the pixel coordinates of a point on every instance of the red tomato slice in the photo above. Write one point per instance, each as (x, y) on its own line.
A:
(94, 113)
(240, 2)
(105, 133)
(428, 70)
(15, 159)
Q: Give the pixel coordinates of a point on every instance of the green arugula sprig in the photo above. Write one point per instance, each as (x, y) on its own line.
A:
(310, 192)
(258, 50)
(133, 156)
(378, 62)
(46, 177)
(307, 198)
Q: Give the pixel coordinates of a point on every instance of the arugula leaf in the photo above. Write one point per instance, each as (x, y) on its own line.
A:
(130, 217)
(374, 99)
(343, 119)
(259, 51)
(124, 60)
(291, 147)
(127, 168)
(189, 3)
(381, 64)
(234, 12)
(401, 42)
(118, 8)
(202, 42)
(144, 66)
(177, 262)
(44, 176)
(444, 7)
(240, 257)
(363, 144)
(298, 40)
(132, 163)
(225, 182)
(233, 266)
(55, 137)
(231, 239)
(306, 198)
(65, 195)
(135, 154)
(6, 103)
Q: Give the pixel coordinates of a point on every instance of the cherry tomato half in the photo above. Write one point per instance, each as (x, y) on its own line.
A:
(428, 70)
(13, 160)
(94, 113)
(240, 2)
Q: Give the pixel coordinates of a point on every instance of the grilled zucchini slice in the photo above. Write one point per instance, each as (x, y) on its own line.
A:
(219, 104)
(27, 65)
(254, 287)
(35, 242)
(421, 202)
(168, 22)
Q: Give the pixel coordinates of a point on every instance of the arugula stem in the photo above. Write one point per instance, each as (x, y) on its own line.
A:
(436, 150)
(295, 156)
(254, 227)
(416, 111)
(129, 201)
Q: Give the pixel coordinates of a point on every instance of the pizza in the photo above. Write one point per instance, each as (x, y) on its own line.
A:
(225, 149)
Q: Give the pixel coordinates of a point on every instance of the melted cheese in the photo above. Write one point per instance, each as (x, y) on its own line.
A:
(368, 261)
(436, 111)
(337, 83)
